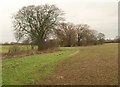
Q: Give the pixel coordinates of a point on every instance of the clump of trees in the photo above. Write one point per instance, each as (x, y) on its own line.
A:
(66, 34)
(85, 36)
(44, 26)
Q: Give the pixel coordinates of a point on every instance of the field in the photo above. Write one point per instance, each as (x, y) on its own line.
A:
(71, 65)
(5, 48)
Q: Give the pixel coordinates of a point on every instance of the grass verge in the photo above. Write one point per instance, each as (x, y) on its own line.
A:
(31, 69)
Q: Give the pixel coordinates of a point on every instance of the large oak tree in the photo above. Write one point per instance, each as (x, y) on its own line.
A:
(37, 22)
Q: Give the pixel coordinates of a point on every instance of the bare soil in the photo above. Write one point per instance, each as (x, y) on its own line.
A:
(99, 70)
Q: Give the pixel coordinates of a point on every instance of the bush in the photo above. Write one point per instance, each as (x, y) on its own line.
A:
(50, 44)
(14, 49)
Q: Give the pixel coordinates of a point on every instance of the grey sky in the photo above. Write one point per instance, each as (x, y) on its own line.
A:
(100, 15)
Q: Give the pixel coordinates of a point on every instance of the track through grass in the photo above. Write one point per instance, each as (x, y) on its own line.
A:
(30, 69)
(73, 65)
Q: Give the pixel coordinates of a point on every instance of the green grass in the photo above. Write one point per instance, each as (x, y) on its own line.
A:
(4, 48)
(30, 69)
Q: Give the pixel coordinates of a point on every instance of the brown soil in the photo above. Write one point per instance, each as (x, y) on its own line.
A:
(84, 71)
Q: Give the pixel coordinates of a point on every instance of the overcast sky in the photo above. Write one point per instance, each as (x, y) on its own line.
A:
(100, 15)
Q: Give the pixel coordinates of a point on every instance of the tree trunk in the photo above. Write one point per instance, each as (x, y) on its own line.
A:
(78, 39)
(32, 46)
(40, 45)
(69, 41)
(78, 42)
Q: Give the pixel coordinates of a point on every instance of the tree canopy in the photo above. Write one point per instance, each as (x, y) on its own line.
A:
(37, 22)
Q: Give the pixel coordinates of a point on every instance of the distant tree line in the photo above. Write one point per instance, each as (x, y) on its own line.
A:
(115, 40)
(69, 35)
(44, 26)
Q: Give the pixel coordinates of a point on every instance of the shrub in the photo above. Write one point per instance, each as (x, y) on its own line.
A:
(14, 49)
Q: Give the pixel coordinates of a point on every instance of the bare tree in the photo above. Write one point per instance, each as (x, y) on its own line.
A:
(82, 30)
(86, 36)
(37, 21)
(67, 34)
(101, 38)
(91, 37)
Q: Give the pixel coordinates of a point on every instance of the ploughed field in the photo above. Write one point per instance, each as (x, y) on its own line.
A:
(90, 65)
